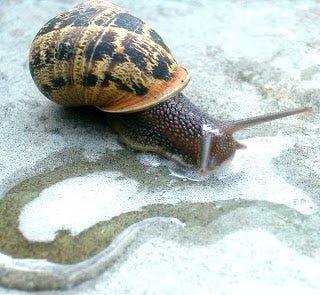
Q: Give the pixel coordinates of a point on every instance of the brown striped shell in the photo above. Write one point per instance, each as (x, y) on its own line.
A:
(98, 54)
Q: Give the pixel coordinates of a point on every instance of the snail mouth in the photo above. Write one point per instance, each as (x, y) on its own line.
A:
(216, 168)
(204, 171)
(208, 161)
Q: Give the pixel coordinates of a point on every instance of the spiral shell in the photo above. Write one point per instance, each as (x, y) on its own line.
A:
(98, 54)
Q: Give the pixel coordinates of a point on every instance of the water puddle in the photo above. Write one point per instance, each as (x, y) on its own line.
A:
(70, 224)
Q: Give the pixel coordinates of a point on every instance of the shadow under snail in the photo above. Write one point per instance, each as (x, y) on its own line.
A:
(98, 54)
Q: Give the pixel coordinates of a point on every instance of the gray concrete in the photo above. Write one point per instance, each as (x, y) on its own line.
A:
(254, 227)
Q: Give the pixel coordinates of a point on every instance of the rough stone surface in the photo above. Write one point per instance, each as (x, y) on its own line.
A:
(246, 58)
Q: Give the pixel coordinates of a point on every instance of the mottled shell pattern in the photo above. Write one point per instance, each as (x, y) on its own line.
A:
(98, 54)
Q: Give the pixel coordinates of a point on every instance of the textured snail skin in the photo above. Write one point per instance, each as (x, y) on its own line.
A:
(174, 129)
(181, 132)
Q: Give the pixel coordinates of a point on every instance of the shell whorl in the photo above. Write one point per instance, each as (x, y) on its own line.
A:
(98, 54)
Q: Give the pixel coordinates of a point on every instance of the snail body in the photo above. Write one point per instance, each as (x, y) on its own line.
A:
(100, 55)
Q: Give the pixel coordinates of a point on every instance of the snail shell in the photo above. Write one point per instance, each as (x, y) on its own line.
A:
(98, 54)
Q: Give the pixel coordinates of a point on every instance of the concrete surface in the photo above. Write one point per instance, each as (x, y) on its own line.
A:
(253, 227)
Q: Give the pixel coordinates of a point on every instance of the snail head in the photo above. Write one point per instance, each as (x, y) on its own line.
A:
(217, 145)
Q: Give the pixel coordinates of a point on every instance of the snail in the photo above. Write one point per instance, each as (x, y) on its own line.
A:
(98, 54)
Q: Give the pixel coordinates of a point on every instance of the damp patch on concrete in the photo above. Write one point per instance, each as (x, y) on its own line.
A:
(76, 204)
(201, 229)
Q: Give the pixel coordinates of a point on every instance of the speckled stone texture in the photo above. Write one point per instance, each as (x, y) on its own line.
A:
(251, 229)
